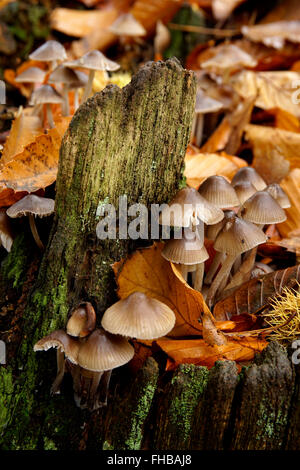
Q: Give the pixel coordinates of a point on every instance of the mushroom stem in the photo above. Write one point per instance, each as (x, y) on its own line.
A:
(237, 264)
(35, 232)
(49, 116)
(60, 358)
(199, 129)
(184, 270)
(89, 86)
(104, 388)
(222, 274)
(53, 65)
(218, 259)
(65, 106)
(198, 277)
(244, 272)
(93, 389)
(76, 99)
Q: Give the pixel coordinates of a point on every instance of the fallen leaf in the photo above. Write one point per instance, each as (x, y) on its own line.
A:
(291, 185)
(36, 166)
(218, 140)
(147, 271)
(270, 89)
(273, 34)
(197, 351)
(286, 121)
(200, 166)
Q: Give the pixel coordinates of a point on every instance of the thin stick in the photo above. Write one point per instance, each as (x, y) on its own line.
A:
(35, 232)
(203, 30)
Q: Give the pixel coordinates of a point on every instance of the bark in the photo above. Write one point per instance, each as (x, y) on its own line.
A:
(121, 142)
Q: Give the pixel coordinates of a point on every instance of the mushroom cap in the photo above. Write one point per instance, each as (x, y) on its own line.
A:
(31, 204)
(103, 351)
(238, 236)
(81, 80)
(63, 74)
(94, 60)
(82, 320)
(261, 208)
(229, 56)
(188, 250)
(139, 316)
(31, 75)
(60, 340)
(244, 190)
(279, 195)
(49, 51)
(45, 94)
(247, 173)
(206, 104)
(186, 207)
(213, 230)
(218, 191)
(127, 25)
(6, 235)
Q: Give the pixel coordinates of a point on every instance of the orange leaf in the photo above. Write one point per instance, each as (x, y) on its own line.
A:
(147, 271)
(197, 351)
(291, 185)
(36, 166)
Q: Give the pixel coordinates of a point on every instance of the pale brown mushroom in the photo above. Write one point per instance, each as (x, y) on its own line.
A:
(46, 95)
(51, 51)
(82, 320)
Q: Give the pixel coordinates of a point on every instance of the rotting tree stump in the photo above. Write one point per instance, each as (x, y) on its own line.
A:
(128, 142)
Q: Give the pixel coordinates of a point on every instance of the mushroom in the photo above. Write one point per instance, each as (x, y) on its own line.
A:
(236, 237)
(127, 26)
(81, 82)
(247, 173)
(162, 39)
(189, 254)
(204, 105)
(92, 61)
(51, 51)
(139, 316)
(32, 75)
(262, 209)
(244, 190)
(279, 195)
(67, 77)
(82, 320)
(32, 206)
(46, 95)
(218, 191)
(66, 347)
(6, 234)
(97, 356)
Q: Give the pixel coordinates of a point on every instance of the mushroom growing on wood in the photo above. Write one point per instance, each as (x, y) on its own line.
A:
(139, 316)
(51, 51)
(32, 206)
(66, 347)
(46, 95)
(82, 320)
(97, 356)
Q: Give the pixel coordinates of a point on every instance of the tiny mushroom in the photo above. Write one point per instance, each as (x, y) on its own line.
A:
(162, 39)
(82, 320)
(127, 26)
(204, 105)
(31, 75)
(247, 173)
(66, 347)
(189, 254)
(32, 206)
(139, 316)
(67, 77)
(6, 233)
(51, 51)
(279, 195)
(98, 355)
(244, 190)
(46, 95)
(262, 209)
(92, 61)
(218, 191)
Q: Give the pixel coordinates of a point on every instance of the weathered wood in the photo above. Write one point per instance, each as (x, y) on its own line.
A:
(120, 142)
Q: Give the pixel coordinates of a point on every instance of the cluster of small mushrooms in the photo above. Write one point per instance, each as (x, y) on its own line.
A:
(233, 217)
(90, 353)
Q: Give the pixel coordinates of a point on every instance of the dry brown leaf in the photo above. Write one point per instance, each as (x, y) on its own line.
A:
(238, 120)
(271, 89)
(202, 165)
(223, 8)
(197, 351)
(292, 243)
(23, 131)
(147, 271)
(148, 13)
(291, 185)
(274, 34)
(286, 121)
(273, 149)
(218, 140)
(36, 166)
